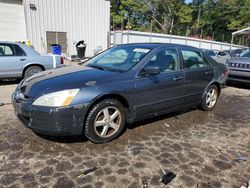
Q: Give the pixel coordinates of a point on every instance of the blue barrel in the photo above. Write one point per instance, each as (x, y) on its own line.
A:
(56, 49)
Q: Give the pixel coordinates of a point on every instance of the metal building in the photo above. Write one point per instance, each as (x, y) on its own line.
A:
(45, 22)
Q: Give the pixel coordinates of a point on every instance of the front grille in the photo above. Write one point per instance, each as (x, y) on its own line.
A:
(239, 65)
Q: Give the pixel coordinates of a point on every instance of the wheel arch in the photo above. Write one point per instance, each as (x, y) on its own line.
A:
(30, 65)
(218, 85)
(118, 97)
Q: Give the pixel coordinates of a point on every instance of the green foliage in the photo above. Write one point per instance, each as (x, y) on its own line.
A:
(218, 18)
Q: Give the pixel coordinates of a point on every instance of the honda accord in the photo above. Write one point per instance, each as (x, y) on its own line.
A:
(123, 84)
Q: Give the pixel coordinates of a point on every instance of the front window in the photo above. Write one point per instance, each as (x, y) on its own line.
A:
(120, 58)
(166, 59)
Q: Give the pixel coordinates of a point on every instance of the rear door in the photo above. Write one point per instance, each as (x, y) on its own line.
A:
(198, 74)
(162, 92)
(12, 58)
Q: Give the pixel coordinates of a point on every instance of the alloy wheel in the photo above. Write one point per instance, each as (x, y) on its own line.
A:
(211, 98)
(107, 122)
(33, 71)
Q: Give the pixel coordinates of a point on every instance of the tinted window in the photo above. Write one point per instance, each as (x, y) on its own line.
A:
(19, 51)
(6, 50)
(166, 59)
(222, 54)
(211, 53)
(193, 59)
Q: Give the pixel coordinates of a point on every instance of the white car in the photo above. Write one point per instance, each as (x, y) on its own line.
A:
(219, 56)
(17, 60)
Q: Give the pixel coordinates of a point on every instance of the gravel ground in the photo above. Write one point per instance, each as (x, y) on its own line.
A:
(199, 147)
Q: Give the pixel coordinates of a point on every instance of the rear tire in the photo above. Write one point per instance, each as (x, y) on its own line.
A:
(31, 71)
(210, 98)
(105, 121)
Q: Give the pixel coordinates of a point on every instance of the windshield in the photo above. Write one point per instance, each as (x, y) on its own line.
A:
(245, 54)
(120, 58)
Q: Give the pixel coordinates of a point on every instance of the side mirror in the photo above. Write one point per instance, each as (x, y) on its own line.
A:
(237, 55)
(150, 71)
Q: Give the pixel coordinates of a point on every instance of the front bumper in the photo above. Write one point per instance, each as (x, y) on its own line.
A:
(56, 121)
(239, 76)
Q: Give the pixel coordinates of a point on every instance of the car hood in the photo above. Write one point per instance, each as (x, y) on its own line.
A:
(70, 77)
(240, 60)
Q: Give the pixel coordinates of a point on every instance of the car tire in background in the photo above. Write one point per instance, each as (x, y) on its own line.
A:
(32, 70)
(105, 121)
(210, 98)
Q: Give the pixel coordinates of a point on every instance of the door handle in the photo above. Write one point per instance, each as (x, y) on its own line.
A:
(208, 72)
(22, 59)
(177, 78)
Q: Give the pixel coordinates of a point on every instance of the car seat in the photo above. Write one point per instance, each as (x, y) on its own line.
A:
(192, 62)
(165, 62)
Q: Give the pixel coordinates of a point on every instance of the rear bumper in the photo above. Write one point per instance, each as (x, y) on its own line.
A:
(61, 121)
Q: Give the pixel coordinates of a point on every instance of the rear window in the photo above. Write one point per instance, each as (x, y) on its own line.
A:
(193, 59)
(19, 51)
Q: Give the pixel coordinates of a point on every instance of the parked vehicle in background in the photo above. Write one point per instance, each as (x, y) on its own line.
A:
(17, 60)
(126, 83)
(239, 68)
(219, 56)
(236, 52)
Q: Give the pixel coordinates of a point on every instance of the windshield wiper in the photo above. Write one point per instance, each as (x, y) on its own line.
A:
(105, 68)
(113, 69)
(96, 67)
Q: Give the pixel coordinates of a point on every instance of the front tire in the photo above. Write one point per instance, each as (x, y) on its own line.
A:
(210, 98)
(105, 121)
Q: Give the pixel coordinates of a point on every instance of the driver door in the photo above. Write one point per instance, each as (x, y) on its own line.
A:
(162, 92)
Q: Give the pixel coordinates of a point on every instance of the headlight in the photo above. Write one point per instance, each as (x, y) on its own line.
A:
(57, 99)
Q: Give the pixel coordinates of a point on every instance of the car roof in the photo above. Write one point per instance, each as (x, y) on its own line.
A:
(28, 50)
(155, 45)
(11, 42)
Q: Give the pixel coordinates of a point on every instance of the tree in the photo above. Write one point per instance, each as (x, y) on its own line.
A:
(218, 18)
(129, 12)
(164, 13)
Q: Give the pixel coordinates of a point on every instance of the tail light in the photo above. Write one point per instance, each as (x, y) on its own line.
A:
(226, 72)
(61, 60)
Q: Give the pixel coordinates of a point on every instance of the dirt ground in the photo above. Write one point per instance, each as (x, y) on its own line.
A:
(200, 148)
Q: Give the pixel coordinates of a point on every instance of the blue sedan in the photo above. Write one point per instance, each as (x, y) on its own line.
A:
(124, 84)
